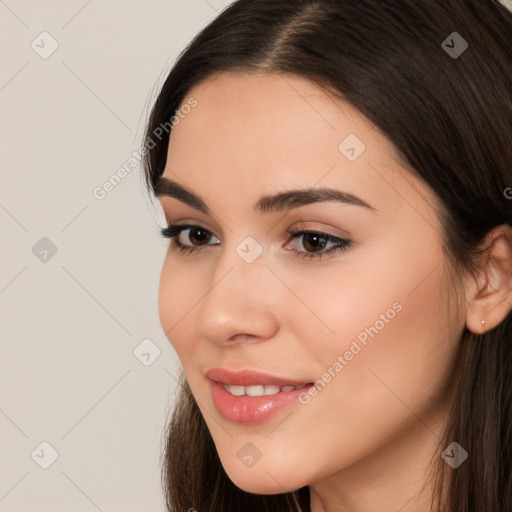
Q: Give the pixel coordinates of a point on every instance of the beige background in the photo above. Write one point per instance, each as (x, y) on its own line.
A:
(69, 326)
(71, 321)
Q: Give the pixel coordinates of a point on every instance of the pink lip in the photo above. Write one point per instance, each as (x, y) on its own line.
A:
(249, 378)
(250, 409)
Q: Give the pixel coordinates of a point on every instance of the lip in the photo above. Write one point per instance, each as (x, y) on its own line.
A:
(250, 378)
(251, 409)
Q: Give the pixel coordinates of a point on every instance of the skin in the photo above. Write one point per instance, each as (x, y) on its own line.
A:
(365, 441)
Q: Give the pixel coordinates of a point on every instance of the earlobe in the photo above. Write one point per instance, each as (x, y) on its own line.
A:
(491, 297)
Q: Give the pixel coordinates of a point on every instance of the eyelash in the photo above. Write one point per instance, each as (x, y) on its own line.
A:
(172, 231)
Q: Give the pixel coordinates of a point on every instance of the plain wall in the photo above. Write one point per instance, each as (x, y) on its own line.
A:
(70, 321)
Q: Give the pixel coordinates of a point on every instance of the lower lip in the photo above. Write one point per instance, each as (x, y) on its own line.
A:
(251, 409)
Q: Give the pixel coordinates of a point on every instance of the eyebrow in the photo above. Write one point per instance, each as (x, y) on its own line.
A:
(267, 204)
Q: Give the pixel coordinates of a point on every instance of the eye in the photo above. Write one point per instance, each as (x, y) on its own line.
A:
(314, 242)
(191, 232)
(317, 242)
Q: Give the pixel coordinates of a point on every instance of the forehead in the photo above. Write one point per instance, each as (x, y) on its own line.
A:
(269, 131)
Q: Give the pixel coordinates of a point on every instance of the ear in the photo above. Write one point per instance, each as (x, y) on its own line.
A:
(490, 296)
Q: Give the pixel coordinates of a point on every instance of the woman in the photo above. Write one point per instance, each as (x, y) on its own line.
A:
(336, 177)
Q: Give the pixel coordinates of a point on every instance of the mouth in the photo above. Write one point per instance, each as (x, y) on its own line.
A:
(259, 390)
(252, 397)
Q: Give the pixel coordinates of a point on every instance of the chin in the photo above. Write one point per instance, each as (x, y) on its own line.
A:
(265, 478)
(264, 484)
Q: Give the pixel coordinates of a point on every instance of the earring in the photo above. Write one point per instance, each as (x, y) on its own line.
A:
(483, 324)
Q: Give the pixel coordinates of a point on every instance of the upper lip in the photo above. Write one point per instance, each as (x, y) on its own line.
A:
(249, 378)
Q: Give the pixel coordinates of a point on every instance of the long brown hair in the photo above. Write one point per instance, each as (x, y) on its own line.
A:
(449, 114)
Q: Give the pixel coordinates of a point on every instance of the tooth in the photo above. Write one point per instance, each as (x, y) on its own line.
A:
(259, 390)
(254, 390)
(237, 390)
(271, 389)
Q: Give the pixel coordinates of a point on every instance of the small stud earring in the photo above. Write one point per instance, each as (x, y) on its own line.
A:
(483, 324)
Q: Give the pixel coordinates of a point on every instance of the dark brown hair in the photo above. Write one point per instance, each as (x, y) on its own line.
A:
(450, 118)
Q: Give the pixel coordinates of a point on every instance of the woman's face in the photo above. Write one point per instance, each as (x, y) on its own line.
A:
(366, 328)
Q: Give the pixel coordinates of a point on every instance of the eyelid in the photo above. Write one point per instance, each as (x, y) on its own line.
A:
(174, 229)
(299, 225)
(325, 228)
(189, 223)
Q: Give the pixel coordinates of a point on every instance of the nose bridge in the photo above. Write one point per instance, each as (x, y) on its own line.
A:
(243, 262)
(239, 299)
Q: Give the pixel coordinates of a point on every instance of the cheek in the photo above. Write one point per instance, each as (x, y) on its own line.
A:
(387, 290)
(395, 338)
(398, 377)
(178, 293)
(382, 336)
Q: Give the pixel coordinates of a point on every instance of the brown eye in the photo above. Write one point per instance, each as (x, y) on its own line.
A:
(188, 236)
(314, 241)
(199, 234)
(316, 245)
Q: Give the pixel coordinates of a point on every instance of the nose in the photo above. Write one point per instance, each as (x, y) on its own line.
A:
(240, 304)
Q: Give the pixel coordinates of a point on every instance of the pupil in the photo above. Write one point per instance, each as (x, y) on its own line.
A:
(202, 234)
(315, 238)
